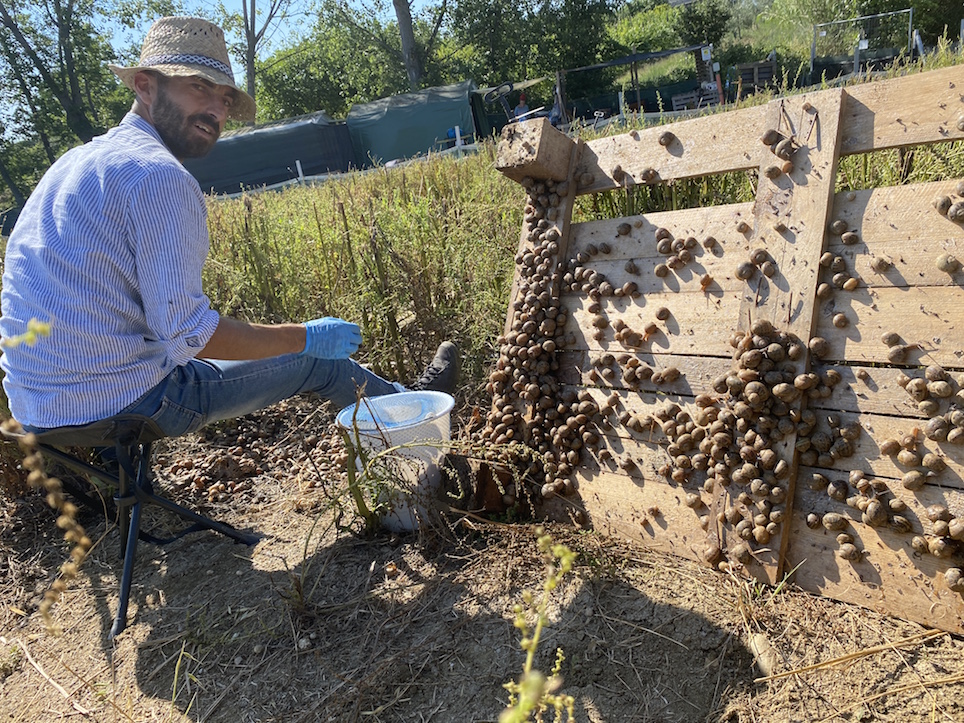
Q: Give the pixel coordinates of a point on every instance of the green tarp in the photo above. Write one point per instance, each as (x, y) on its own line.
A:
(270, 153)
(405, 126)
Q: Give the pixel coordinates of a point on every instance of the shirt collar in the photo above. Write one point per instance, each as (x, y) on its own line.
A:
(136, 121)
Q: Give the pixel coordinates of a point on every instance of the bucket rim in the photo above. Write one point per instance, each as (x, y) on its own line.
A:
(343, 418)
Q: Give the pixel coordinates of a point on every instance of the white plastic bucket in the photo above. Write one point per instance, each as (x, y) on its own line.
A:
(405, 418)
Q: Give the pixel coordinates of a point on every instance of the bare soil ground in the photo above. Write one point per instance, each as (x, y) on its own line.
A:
(315, 624)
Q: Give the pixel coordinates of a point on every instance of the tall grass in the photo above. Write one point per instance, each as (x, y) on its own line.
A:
(415, 255)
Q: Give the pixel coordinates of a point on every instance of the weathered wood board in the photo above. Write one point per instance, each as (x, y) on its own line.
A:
(676, 374)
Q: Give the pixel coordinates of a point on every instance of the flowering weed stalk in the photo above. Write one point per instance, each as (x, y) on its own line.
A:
(534, 693)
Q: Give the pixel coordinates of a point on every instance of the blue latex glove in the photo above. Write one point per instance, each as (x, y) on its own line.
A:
(331, 338)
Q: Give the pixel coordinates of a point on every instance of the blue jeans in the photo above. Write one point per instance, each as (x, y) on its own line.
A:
(207, 390)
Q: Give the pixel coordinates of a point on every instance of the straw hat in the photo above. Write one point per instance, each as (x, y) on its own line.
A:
(189, 46)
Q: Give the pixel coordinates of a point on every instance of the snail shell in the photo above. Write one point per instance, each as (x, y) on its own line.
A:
(783, 149)
(954, 577)
(942, 204)
(838, 227)
(948, 263)
(771, 137)
(834, 522)
(819, 347)
(955, 528)
(939, 547)
(849, 551)
(838, 490)
(880, 264)
(914, 480)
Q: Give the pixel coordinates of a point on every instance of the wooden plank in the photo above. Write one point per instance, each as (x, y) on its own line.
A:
(640, 242)
(697, 373)
(700, 323)
(868, 458)
(916, 109)
(536, 149)
(875, 391)
(920, 315)
(890, 577)
(646, 512)
(648, 451)
(700, 146)
(901, 224)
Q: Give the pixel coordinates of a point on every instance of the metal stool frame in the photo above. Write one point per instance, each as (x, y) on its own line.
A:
(132, 437)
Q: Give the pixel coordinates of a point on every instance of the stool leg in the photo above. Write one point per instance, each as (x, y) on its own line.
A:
(130, 549)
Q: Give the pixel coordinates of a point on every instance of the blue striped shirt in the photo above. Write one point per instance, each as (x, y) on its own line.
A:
(109, 249)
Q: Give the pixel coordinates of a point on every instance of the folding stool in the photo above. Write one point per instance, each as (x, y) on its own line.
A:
(131, 436)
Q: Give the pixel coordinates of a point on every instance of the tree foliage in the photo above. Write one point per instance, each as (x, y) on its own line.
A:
(704, 22)
(58, 91)
(649, 29)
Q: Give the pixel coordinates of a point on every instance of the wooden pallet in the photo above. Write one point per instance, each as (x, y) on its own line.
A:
(791, 219)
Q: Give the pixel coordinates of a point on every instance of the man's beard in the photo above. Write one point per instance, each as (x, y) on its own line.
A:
(176, 130)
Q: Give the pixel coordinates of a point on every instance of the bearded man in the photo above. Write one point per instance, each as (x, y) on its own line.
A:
(109, 249)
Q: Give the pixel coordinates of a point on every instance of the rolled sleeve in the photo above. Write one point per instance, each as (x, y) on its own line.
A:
(168, 232)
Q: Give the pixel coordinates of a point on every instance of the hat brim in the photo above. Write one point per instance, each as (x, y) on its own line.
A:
(243, 108)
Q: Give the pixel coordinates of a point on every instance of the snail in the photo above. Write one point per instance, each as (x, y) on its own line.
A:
(942, 204)
(948, 263)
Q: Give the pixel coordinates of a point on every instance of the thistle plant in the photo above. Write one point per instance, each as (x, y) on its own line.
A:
(534, 693)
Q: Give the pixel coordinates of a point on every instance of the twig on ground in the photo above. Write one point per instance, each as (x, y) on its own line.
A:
(59, 688)
(894, 691)
(851, 656)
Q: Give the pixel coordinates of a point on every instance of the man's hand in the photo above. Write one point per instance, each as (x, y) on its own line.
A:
(331, 338)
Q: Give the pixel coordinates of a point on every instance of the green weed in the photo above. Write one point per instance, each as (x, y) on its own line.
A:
(534, 693)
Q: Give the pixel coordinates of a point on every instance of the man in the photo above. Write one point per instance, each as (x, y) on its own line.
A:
(109, 248)
(522, 108)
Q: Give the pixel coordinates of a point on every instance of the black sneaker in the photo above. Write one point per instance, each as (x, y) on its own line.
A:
(442, 373)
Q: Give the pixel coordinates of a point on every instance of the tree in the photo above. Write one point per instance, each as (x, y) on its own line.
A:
(337, 65)
(648, 30)
(416, 40)
(494, 42)
(704, 22)
(253, 25)
(51, 44)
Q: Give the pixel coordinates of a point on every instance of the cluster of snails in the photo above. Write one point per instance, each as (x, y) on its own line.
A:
(523, 380)
(679, 253)
(933, 393)
(529, 404)
(759, 259)
(783, 148)
(731, 439)
(869, 498)
(630, 370)
(945, 541)
(951, 208)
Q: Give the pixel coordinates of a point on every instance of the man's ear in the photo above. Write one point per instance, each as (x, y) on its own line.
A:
(145, 87)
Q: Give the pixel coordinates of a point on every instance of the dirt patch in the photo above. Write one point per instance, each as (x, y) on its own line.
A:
(313, 624)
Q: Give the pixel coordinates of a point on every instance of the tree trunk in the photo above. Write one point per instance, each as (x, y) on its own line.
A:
(250, 44)
(70, 100)
(18, 195)
(409, 52)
